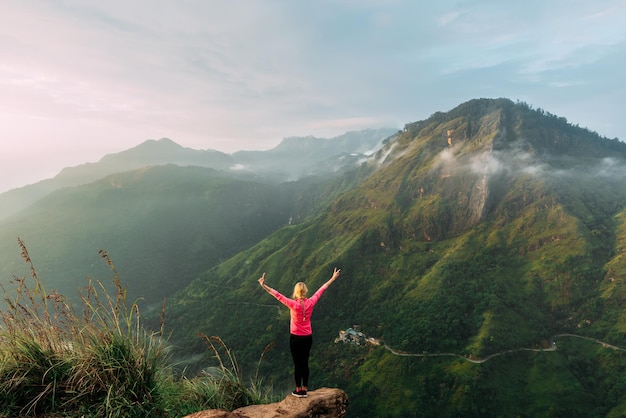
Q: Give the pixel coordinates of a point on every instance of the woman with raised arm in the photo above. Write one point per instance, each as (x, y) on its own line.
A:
(301, 334)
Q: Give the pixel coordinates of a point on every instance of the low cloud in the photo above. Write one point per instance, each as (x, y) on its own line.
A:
(518, 162)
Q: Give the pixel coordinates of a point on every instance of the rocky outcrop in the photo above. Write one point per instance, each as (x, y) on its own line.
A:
(321, 403)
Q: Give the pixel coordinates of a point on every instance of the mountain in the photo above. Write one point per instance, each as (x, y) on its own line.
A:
(484, 252)
(148, 153)
(161, 225)
(296, 157)
(293, 159)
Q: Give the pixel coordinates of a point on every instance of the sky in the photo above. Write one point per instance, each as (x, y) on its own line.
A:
(80, 79)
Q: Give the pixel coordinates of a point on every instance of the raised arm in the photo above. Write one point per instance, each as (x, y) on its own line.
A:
(333, 277)
(264, 286)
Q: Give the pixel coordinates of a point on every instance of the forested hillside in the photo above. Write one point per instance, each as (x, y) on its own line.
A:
(493, 229)
(161, 226)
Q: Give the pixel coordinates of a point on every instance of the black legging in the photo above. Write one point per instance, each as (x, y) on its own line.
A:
(300, 346)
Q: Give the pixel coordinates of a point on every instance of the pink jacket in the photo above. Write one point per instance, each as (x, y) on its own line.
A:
(301, 310)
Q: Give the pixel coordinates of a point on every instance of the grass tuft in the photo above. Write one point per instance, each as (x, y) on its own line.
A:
(100, 362)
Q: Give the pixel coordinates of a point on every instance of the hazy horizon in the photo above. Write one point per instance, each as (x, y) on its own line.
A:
(82, 80)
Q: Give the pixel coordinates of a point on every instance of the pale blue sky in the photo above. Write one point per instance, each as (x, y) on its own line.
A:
(83, 78)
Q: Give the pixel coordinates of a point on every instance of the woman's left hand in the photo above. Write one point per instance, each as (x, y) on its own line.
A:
(262, 280)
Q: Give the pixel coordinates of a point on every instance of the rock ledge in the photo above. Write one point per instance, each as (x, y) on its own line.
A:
(321, 403)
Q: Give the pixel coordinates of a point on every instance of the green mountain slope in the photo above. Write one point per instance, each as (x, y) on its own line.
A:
(161, 226)
(492, 229)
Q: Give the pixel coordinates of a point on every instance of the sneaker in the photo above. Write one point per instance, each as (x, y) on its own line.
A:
(299, 393)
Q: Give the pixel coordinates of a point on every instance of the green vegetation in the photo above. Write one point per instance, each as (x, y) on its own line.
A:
(163, 225)
(101, 362)
(491, 244)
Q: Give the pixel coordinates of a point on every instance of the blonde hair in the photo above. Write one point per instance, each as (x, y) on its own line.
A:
(299, 291)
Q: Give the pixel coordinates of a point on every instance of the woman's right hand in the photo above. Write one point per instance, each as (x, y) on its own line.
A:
(262, 280)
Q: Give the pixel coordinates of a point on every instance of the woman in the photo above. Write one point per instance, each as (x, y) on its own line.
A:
(301, 334)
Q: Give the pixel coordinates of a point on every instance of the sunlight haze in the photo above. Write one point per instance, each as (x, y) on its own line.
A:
(79, 80)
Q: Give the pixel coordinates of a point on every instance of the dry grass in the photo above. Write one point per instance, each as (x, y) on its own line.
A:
(98, 361)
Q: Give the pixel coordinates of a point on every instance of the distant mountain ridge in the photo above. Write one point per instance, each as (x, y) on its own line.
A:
(290, 160)
(295, 157)
(148, 153)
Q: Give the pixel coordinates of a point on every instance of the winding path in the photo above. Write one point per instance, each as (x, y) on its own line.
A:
(490, 356)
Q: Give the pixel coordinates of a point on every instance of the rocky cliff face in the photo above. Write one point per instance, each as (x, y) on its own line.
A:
(321, 403)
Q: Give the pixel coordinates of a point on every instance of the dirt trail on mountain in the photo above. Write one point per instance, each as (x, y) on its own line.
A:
(472, 359)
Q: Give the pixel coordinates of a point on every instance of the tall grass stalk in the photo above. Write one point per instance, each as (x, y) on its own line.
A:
(100, 362)
(227, 379)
